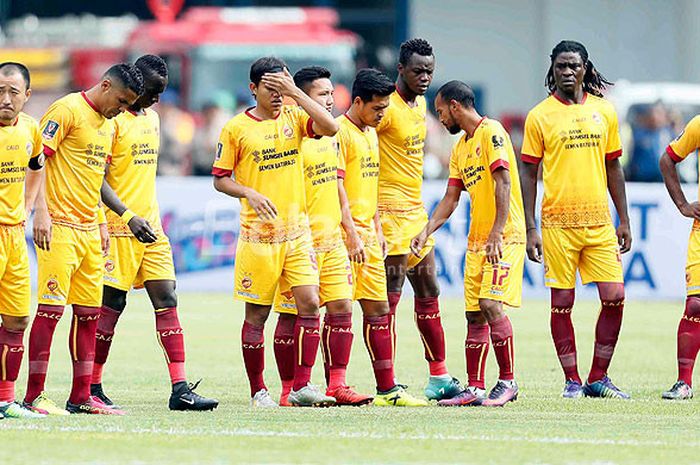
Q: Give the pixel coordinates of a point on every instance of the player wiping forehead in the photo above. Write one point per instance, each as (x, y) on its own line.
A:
(320, 159)
(140, 253)
(20, 148)
(574, 133)
(258, 161)
(401, 135)
(71, 237)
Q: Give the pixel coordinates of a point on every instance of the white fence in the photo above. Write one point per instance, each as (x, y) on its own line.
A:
(203, 227)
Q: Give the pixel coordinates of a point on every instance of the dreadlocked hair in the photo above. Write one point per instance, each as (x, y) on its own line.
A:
(593, 82)
(153, 64)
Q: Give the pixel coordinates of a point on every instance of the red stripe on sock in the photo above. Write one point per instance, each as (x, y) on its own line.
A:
(307, 339)
(377, 336)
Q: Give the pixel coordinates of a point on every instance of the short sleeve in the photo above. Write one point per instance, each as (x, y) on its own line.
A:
(455, 178)
(686, 142)
(37, 145)
(495, 147)
(226, 153)
(302, 122)
(613, 148)
(385, 122)
(533, 142)
(55, 125)
(343, 150)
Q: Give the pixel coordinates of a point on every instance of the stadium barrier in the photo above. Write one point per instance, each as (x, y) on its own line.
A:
(203, 226)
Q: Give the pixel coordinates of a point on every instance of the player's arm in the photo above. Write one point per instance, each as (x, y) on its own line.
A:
(667, 165)
(263, 206)
(616, 187)
(380, 234)
(41, 226)
(353, 242)
(528, 182)
(32, 183)
(138, 226)
(443, 211)
(494, 243)
(323, 122)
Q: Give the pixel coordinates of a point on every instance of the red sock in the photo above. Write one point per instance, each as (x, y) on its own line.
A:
(337, 344)
(11, 351)
(81, 342)
(688, 341)
(377, 337)
(427, 313)
(607, 331)
(103, 340)
(502, 340)
(284, 348)
(307, 339)
(172, 339)
(253, 345)
(40, 337)
(394, 298)
(476, 348)
(563, 332)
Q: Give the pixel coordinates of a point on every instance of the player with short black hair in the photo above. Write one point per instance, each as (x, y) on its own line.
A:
(70, 231)
(140, 254)
(483, 163)
(260, 147)
(401, 141)
(574, 133)
(21, 149)
(358, 182)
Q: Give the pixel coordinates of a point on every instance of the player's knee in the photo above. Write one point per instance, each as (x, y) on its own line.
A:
(563, 298)
(15, 323)
(114, 300)
(308, 305)
(165, 300)
(692, 305)
(491, 309)
(475, 318)
(256, 315)
(611, 292)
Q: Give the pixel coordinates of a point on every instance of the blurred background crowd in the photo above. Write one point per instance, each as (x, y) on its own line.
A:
(500, 47)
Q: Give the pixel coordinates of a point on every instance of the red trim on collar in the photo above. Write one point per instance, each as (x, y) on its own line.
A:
(400, 94)
(583, 100)
(14, 123)
(353, 122)
(255, 118)
(89, 102)
(469, 136)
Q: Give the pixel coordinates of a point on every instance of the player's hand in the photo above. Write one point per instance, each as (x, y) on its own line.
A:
(691, 210)
(534, 246)
(42, 229)
(494, 247)
(263, 206)
(142, 230)
(418, 242)
(281, 82)
(624, 237)
(104, 239)
(384, 245)
(356, 248)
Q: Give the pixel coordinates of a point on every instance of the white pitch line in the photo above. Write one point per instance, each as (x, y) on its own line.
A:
(340, 435)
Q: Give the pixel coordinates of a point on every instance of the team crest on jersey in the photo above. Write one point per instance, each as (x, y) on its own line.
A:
(288, 131)
(29, 148)
(52, 285)
(109, 266)
(596, 118)
(246, 282)
(219, 150)
(50, 130)
(478, 150)
(497, 141)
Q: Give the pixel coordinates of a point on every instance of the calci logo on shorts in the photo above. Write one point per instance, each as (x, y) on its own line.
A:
(52, 285)
(246, 282)
(109, 266)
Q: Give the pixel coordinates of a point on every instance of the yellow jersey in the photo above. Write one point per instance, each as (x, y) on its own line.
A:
(401, 135)
(322, 203)
(19, 142)
(132, 169)
(358, 165)
(264, 155)
(474, 158)
(77, 140)
(574, 141)
(687, 142)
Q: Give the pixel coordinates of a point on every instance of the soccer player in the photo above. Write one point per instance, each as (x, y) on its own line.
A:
(358, 182)
(688, 336)
(261, 148)
(574, 133)
(77, 135)
(320, 158)
(401, 139)
(483, 164)
(140, 253)
(20, 149)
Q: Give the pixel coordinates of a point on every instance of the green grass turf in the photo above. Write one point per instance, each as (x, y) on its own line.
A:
(539, 428)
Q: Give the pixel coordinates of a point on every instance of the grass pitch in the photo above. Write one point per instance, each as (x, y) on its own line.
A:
(539, 428)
